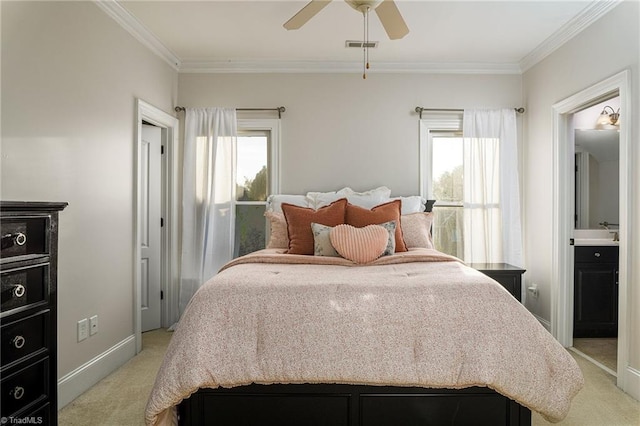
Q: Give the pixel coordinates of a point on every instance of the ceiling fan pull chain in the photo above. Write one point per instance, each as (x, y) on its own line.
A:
(364, 43)
(367, 41)
(387, 11)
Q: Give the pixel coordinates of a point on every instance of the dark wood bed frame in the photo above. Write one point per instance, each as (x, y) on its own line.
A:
(353, 405)
(350, 405)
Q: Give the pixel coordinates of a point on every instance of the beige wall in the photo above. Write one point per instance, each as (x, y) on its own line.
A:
(70, 77)
(605, 48)
(340, 130)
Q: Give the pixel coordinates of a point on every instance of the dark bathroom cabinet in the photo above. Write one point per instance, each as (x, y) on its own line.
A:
(595, 309)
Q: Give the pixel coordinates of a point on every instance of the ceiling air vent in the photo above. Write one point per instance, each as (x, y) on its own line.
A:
(361, 44)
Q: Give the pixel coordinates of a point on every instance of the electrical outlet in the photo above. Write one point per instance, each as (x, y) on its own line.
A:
(93, 325)
(83, 330)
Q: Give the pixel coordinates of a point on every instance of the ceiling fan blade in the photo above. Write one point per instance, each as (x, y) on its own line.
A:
(391, 19)
(306, 13)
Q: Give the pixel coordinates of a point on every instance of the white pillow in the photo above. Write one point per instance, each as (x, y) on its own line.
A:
(274, 202)
(368, 199)
(412, 204)
(321, 199)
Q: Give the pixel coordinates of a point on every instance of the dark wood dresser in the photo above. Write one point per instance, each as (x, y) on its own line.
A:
(508, 275)
(28, 311)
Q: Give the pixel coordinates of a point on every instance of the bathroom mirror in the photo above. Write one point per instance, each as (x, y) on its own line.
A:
(597, 161)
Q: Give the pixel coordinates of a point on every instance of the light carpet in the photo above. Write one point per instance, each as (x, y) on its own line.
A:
(602, 349)
(120, 398)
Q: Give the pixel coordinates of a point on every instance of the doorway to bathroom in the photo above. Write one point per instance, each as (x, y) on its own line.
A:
(566, 184)
(596, 131)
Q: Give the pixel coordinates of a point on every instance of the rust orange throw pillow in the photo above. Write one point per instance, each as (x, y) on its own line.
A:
(299, 221)
(361, 217)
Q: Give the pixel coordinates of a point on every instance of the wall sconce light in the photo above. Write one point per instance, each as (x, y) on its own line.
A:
(607, 118)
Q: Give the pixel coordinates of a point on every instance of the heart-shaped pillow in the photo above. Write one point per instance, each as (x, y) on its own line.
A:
(360, 245)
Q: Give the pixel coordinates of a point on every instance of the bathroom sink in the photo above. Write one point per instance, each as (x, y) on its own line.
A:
(594, 237)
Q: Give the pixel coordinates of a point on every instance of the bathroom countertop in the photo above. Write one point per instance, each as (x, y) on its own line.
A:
(594, 237)
(594, 242)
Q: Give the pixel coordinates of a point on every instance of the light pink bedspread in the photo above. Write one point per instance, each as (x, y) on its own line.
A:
(412, 319)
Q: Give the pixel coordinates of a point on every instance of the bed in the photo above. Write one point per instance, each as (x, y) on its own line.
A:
(412, 337)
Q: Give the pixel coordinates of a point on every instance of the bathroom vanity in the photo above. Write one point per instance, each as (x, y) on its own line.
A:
(595, 298)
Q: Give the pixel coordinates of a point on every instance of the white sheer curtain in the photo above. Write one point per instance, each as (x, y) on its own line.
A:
(207, 191)
(492, 227)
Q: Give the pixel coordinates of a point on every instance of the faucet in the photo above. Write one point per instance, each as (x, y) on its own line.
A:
(605, 225)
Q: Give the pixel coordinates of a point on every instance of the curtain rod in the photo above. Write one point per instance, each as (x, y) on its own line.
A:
(419, 110)
(280, 109)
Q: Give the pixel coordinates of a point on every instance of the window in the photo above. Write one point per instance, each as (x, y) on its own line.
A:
(442, 179)
(448, 180)
(474, 181)
(255, 173)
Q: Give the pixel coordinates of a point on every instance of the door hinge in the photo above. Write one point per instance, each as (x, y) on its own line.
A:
(161, 149)
(161, 222)
(161, 295)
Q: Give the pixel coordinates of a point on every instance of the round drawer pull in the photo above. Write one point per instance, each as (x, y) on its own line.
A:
(596, 254)
(20, 238)
(18, 342)
(18, 392)
(19, 290)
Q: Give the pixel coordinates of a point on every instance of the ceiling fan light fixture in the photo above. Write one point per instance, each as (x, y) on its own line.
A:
(387, 11)
(363, 5)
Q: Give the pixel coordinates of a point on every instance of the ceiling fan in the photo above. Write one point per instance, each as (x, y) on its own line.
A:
(386, 10)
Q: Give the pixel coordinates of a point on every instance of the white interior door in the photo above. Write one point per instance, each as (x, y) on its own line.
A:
(151, 242)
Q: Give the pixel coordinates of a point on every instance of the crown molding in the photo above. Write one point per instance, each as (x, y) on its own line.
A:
(591, 13)
(127, 21)
(279, 66)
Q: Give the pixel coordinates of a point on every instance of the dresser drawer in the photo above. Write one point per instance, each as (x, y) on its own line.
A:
(597, 254)
(40, 416)
(24, 337)
(23, 287)
(25, 388)
(24, 235)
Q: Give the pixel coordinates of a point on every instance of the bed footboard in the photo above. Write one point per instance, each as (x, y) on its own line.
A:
(337, 405)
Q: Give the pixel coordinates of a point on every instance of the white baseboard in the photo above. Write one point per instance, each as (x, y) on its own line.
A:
(82, 378)
(546, 324)
(632, 383)
(593, 361)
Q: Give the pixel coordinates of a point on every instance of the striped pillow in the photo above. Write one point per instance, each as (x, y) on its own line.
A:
(360, 245)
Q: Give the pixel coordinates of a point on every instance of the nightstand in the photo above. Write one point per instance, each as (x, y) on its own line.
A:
(508, 275)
